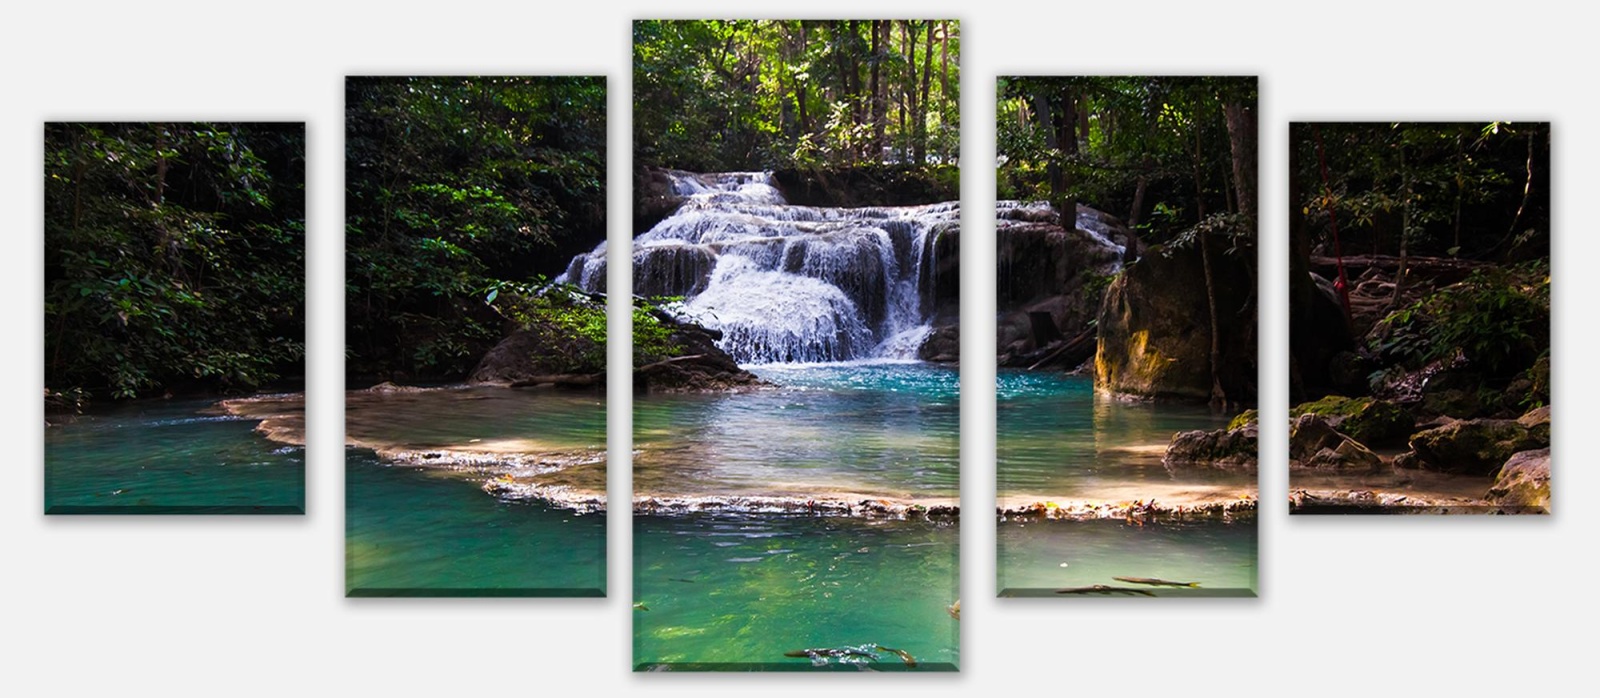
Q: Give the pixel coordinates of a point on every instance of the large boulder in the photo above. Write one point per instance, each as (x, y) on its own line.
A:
(943, 345)
(1537, 421)
(538, 353)
(1368, 420)
(1523, 482)
(698, 366)
(653, 198)
(1046, 269)
(1155, 333)
(1314, 443)
(1473, 446)
(1227, 449)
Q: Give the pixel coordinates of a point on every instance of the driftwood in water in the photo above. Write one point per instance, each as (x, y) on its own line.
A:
(561, 379)
(1072, 352)
(664, 362)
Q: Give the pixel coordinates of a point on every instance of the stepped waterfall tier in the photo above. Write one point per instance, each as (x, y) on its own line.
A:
(788, 284)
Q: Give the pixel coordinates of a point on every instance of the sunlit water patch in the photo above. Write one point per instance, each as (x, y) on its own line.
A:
(1060, 444)
(876, 430)
(169, 457)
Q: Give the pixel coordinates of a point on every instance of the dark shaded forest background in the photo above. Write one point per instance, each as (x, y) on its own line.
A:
(463, 193)
(174, 258)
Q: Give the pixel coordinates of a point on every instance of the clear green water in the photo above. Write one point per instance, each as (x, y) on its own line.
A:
(1039, 557)
(735, 591)
(884, 429)
(432, 531)
(417, 531)
(1057, 441)
(169, 457)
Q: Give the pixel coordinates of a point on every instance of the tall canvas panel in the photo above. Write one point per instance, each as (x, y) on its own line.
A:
(475, 416)
(174, 271)
(796, 414)
(1419, 289)
(1126, 429)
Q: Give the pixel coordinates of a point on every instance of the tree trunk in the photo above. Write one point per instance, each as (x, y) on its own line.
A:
(927, 72)
(1405, 231)
(875, 113)
(1301, 290)
(1219, 399)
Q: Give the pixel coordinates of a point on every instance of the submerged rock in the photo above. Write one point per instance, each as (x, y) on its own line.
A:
(1314, 443)
(1523, 482)
(1474, 446)
(1231, 449)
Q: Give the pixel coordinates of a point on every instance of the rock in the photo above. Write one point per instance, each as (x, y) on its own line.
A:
(1229, 449)
(538, 351)
(1348, 371)
(1314, 443)
(1155, 334)
(1523, 483)
(1473, 446)
(1046, 269)
(1537, 421)
(700, 366)
(868, 185)
(389, 387)
(1455, 392)
(1365, 419)
(1319, 335)
(942, 345)
(653, 198)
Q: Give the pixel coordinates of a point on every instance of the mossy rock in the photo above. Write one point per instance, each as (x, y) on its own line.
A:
(1365, 419)
(1244, 418)
(1523, 483)
(1473, 447)
(1227, 449)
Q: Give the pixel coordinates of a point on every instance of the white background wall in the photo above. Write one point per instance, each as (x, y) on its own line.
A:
(254, 606)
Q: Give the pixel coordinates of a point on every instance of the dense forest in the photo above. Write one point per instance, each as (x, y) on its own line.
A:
(1433, 239)
(1169, 165)
(464, 195)
(716, 96)
(1420, 312)
(174, 258)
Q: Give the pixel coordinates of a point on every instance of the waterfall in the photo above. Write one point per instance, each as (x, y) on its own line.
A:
(787, 284)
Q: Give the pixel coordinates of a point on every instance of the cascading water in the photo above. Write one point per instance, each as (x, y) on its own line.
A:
(788, 284)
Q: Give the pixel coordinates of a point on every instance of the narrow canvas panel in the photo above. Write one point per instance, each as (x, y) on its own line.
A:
(475, 417)
(1419, 288)
(1126, 429)
(174, 300)
(796, 419)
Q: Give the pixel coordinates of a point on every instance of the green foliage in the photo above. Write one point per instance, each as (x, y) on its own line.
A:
(1497, 318)
(455, 186)
(1243, 419)
(652, 338)
(1445, 189)
(174, 256)
(769, 94)
(1140, 131)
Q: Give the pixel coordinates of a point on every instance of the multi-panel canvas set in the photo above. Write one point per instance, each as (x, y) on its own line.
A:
(793, 264)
